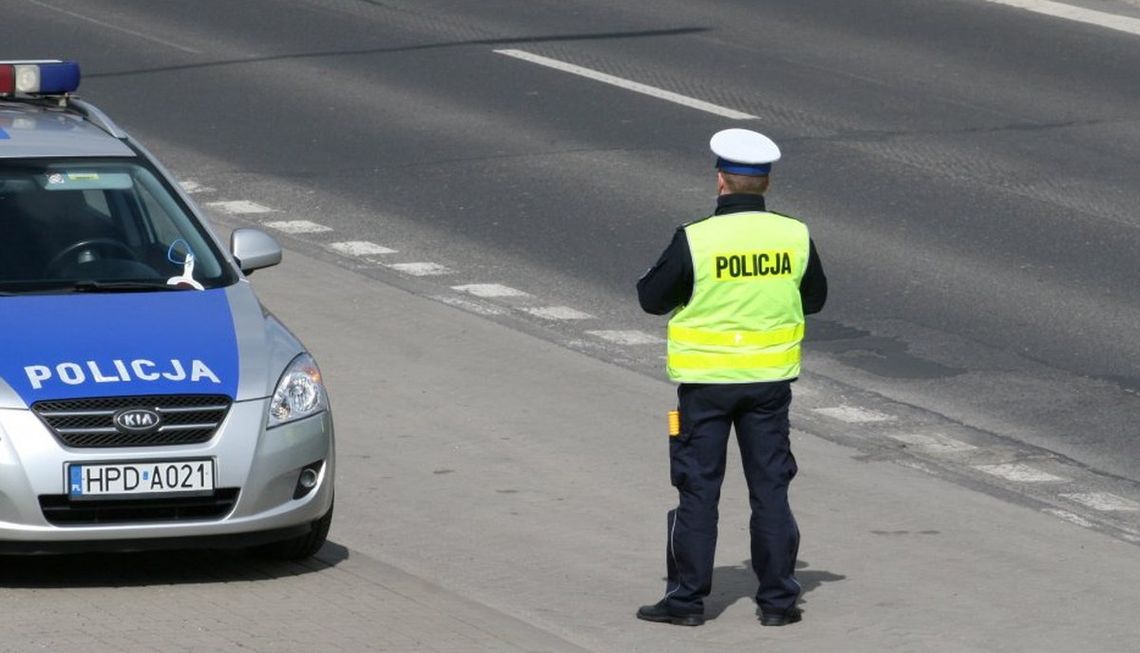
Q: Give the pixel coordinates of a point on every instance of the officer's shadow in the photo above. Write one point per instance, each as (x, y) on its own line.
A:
(730, 584)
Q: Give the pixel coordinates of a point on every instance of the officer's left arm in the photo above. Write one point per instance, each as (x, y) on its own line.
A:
(813, 287)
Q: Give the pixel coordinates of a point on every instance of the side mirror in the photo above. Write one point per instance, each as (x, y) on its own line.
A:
(254, 249)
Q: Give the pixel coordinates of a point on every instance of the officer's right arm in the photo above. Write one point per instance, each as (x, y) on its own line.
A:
(813, 287)
(669, 283)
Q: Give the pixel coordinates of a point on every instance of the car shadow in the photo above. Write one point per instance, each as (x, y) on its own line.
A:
(730, 584)
(140, 569)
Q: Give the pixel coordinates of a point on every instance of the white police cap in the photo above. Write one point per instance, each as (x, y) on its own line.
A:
(744, 152)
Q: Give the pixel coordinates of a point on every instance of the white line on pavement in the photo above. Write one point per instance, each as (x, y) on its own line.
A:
(1069, 517)
(360, 248)
(191, 186)
(933, 443)
(421, 269)
(1079, 14)
(854, 414)
(239, 207)
(477, 307)
(1019, 472)
(558, 313)
(628, 85)
(297, 227)
(1103, 501)
(489, 290)
(627, 337)
(802, 390)
(107, 25)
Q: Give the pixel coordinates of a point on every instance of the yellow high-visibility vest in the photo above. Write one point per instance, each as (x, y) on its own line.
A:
(745, 320)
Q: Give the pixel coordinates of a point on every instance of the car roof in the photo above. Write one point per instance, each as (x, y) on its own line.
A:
(36, 129)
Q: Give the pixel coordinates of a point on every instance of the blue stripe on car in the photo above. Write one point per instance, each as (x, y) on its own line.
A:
(106, 345)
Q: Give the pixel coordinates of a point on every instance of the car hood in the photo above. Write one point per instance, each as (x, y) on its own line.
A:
(147, 343)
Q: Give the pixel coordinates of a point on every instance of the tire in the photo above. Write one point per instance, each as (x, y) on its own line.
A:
(300, 547)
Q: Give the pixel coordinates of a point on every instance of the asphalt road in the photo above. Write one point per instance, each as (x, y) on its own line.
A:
(968, 169)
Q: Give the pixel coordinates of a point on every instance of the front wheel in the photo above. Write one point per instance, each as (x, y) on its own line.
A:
(302, 546)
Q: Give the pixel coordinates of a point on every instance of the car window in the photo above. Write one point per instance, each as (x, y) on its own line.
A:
(97, 201)
(67, 222)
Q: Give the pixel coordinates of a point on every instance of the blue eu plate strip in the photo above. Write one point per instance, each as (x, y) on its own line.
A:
(76, 480)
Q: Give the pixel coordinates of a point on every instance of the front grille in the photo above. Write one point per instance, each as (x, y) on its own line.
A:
(58, 509)
(186, 419)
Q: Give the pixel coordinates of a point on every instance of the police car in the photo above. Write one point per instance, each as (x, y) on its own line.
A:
(147, 399)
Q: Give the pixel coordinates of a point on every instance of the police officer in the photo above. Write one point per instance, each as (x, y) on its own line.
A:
(741, 282)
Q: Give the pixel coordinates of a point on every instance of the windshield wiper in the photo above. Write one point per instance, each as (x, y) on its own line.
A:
(120, 286)
(87, 286)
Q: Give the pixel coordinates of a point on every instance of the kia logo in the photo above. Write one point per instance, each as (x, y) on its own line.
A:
(137, 420)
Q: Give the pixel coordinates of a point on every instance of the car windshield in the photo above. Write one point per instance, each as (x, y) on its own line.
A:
(83, 225)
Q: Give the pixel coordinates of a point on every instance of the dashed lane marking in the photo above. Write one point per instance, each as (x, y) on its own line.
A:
(192, 187)
(239, 207)
(854, 414)
(935, 443)
(360, 248)
(1070, 517)
(803, 391)
(1103, 501)
(1019, 473)
(489, 290)
(1078, 14)
(628, 85)
(421, 269)
(472, 306)
(297, 227)
(557, 313)
(627, 337)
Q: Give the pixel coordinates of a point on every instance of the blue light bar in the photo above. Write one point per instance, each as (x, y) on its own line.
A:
(61, 78)
(52, 77)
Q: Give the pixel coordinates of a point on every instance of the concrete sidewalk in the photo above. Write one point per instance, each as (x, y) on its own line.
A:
(533, 481)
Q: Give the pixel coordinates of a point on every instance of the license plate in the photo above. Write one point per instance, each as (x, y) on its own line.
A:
(183, 476)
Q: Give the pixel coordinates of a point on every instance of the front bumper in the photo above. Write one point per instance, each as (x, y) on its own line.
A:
(262, 466)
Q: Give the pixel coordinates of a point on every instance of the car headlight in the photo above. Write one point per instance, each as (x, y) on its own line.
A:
(300, 393)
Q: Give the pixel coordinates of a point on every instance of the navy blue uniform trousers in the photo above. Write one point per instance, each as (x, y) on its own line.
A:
(759, 413)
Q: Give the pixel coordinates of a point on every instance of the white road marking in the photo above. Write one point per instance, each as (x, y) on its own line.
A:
(480, 308)
(115, 27)
(297, 227)
(239, 207)
(360, 248)
(1103, 501)
(191, 187)
(1069, 517)
(803, 391)
(854, 414)
(1019, 472)
(917, 465)
(933, 443)
(558, 313)
(489, 290)
(628, 85)
(1078, 14)
(421, 269)
(627, 337)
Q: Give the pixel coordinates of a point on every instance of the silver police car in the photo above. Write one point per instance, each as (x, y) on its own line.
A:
(147, 399)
